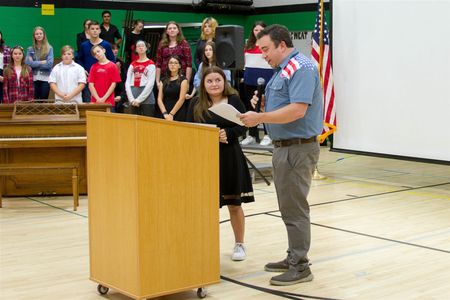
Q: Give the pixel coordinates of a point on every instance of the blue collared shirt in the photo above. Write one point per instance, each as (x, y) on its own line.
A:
(296, 80)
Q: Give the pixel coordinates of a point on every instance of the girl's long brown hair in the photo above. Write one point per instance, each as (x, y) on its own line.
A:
(205, 60)
(9, 70)
(165, 39)
(204, 101)
(44, 45)
(251, 41)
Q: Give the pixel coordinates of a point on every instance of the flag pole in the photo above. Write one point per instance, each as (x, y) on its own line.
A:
(321, 43)
(316, 175)
(332, 128)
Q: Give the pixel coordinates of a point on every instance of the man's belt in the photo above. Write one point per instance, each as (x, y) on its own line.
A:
(295, 141)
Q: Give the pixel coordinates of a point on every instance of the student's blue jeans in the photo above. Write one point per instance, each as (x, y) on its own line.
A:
(41, 89)
(86, 94)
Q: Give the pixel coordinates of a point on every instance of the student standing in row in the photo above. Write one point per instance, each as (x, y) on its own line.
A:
(85, 58)
(132, 38)
(18, 78)
(84, 35)
(208, 34)
(173, 43)
(40, 59)
(5, 57)
(103, 78)
(208, 60)
(67, 78)
(140, 81)
(172, 92)
(109, 32)
(120, 96)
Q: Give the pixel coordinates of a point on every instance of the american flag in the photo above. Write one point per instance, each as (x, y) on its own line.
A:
(320, 54)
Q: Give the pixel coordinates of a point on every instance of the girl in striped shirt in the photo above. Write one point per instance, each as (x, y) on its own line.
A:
(255, 67)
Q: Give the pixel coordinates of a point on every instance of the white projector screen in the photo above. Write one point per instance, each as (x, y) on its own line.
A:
(392, 77)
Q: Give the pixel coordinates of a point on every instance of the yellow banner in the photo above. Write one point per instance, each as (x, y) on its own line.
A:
(48, 9)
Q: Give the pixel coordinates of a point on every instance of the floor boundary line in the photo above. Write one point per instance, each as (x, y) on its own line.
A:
(380, 194)
(373, 236)
(283, 294)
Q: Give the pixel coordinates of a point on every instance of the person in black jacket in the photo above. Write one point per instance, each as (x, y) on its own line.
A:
(84, 35)
(131, 39)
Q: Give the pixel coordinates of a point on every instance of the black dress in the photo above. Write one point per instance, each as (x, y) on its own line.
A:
(171, 92)
(234, 174)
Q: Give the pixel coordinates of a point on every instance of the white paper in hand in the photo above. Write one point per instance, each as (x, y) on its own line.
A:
(228, 112)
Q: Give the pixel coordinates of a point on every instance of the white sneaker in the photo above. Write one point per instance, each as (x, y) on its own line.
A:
(266, 141)
(238, 252)
(248, 140)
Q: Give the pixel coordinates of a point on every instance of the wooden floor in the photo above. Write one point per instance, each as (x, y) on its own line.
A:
(381, 230)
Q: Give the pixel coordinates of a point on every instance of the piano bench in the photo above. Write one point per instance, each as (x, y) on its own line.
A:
(8, 169)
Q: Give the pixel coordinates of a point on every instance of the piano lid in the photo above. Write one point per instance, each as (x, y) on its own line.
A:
(49, 110)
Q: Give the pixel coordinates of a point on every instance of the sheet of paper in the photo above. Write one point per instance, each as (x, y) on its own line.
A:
(228, 112)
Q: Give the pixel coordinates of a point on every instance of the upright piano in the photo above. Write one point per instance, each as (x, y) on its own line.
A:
(45, 136)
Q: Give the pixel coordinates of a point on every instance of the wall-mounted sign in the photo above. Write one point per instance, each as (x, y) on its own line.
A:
(48, 9)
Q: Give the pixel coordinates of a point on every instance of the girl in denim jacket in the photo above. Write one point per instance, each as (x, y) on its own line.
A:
(40, 59)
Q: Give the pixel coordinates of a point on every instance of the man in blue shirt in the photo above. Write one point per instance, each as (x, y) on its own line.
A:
(294, 117)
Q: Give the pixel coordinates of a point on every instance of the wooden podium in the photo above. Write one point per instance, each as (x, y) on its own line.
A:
(153, 189)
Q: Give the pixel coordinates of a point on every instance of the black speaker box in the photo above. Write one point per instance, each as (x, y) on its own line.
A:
(230, 47)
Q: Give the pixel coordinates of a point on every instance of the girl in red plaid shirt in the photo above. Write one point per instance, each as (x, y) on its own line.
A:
(18, 78)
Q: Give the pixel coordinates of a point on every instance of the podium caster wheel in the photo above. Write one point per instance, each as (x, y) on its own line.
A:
(201, 293)
(102, 290)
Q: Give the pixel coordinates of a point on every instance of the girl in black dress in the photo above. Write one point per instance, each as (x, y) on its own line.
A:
(235, 182)
(172, 92)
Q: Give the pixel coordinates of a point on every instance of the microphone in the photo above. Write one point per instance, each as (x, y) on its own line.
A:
(260, 88)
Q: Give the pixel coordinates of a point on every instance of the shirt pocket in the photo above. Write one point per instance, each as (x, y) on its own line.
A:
(277, 85)
(277, 93)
